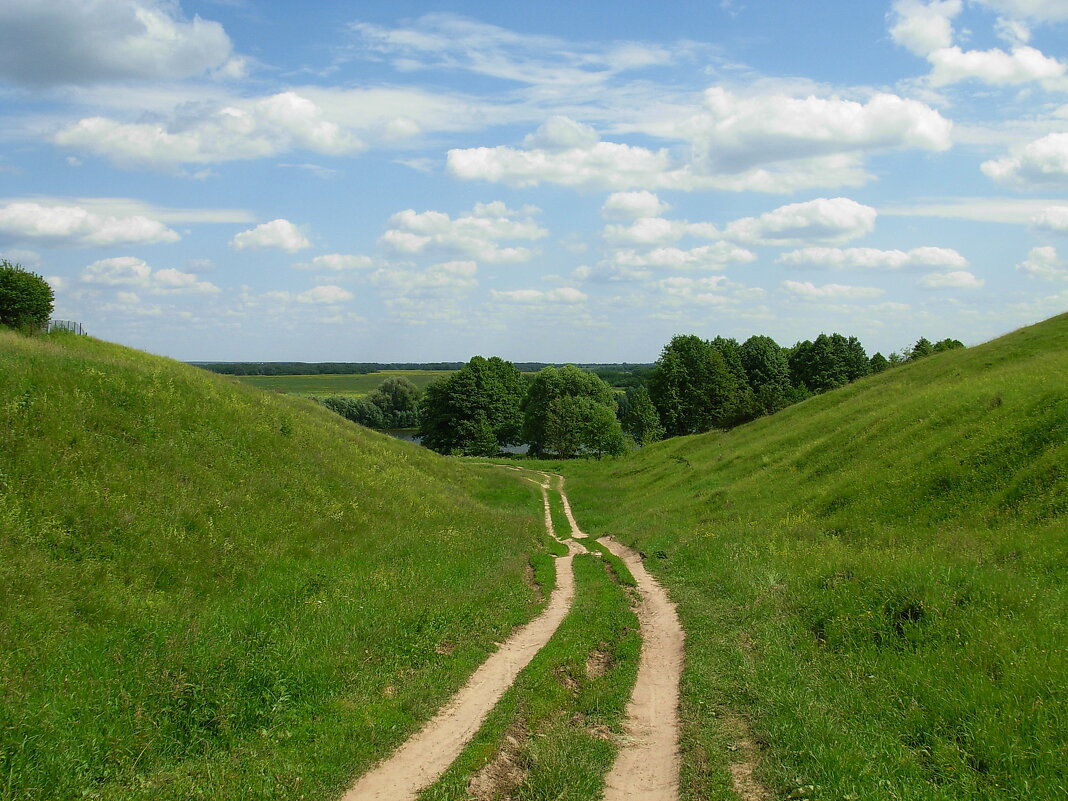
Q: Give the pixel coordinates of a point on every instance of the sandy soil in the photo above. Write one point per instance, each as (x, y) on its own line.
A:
(647, 766)
(427, 754)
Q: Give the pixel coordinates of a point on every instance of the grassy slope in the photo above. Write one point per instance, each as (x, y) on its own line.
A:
(873, 581)
(208, 591)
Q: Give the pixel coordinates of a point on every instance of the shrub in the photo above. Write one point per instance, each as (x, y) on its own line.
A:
(25, 297)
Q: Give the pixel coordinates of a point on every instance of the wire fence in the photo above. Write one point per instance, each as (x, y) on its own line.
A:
(66, 325)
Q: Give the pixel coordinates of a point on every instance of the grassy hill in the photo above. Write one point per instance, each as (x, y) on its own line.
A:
(874, 582)
(211, 591)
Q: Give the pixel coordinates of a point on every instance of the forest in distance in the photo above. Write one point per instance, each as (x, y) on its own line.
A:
(696, 385)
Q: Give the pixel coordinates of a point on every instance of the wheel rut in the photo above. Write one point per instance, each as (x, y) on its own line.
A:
(647, 764)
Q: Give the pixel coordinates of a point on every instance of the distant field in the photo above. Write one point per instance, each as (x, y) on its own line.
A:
(330, 384)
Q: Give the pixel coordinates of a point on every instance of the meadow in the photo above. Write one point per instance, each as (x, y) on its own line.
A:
(208, 591)
(874, 582)
(331, 384)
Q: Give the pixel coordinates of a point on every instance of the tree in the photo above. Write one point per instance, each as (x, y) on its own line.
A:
(947, 344)
(923, 347)
(358, 410)
(878, 363)
(474, 411)
(25, 298)
(398, 398)
(743, 403)
(691, 386)
(767, 372)
(559, 411)
(639, 418)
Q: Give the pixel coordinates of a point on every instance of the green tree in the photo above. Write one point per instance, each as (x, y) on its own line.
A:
(639, 418)
(878, 363)
(25, 298)
(743, 404)
(767, 372)
(946, 344)
(398, 398)
(474, 411)
(923, 347)
(691, 386)
(553, 418)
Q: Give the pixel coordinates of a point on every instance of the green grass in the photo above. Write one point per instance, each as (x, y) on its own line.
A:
(207, 591)
(323, 385)
(563, 718)
(874, 583)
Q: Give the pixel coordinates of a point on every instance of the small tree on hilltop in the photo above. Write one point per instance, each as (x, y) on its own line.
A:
(25, 298)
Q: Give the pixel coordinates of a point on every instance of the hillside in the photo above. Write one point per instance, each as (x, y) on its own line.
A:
(208, 590)
(874, 582)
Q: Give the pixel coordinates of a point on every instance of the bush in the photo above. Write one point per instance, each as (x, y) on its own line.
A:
(25, 297)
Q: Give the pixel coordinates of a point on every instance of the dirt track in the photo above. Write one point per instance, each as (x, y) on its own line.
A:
(646, 767)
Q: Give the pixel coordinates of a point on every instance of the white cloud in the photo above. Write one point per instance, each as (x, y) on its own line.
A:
(1037, 10)
(128, 271)
(957, 279)
(1007, 210)
(76, 226)
(27, 258)
(561, 295)
(447, 278)
(1053, 219)
(248, 129)
(658, 231)
(280, 234)
(822, 220)
(475, 234)
(337, 262)
(1043, 161)
(124, 207)
(809, 291)
(325, 294)
(872, 258)
(996, 67)
(85, 41)
(923, 27)
(634, 265)
(1044, 263)
(707, 291)
(633, 205)
(736, 133)
(765, 143)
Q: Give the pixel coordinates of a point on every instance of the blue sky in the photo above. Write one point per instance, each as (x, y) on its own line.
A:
(412, 181)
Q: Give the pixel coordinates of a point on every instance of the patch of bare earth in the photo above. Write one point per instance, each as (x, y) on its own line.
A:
(746, 758)
(647, 766)
(504, 773)
(598, 663)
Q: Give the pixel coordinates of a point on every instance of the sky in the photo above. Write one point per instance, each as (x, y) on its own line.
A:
(262, 180)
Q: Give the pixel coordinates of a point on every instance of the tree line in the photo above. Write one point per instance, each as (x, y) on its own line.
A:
(696, 385)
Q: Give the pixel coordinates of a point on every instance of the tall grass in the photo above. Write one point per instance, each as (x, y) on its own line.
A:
(874, 582)
(207, 591)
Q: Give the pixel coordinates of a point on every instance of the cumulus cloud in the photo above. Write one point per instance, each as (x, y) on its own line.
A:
(995, 67)
(447, 278)
(923, 27)
(633, 205)
(809, 291)
(957, 279)
(128, 271)
(1041, 162)
(658, 231)
(244, 130)
(736, 133)
(475, 234)
(322, 295)
(539, 297)
(822, 220)
(634, 265)
(872, 258)
(1053, 219)
(764, 143)
(276, 234)
(337, 262)
(1037, 10)
(1044, 263)
(76, 226)
(27, 258)
(706, 291)
(85, 41)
